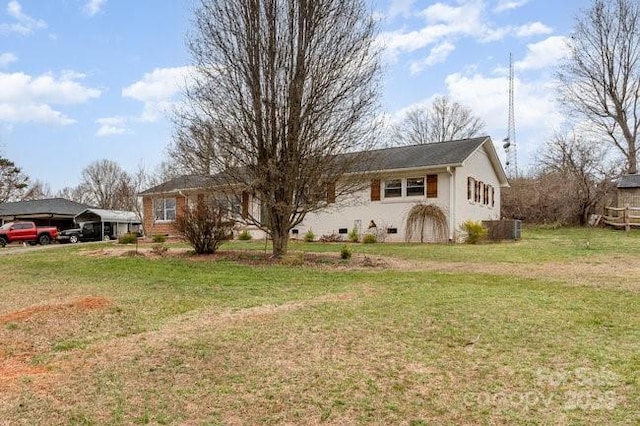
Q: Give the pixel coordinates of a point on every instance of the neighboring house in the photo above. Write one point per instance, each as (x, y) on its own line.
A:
(629, 191)
(57, 212)
(463, 178)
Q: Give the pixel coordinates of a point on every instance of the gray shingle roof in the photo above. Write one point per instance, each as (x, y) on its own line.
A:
(426, 155)
(629, 181)
(58, 206)
(400, 157)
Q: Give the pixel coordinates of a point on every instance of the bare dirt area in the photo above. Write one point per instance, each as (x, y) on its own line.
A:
(18, 353)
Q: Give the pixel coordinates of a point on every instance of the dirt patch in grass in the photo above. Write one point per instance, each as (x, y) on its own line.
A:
(17, 354)
(82, 304)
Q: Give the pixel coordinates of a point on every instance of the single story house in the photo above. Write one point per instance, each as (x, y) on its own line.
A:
(462, 178)
(58, 212)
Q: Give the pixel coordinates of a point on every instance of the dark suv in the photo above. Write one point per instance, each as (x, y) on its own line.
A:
(90, 231)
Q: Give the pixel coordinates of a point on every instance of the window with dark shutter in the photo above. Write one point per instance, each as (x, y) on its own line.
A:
(375, 190)
(493, 197)
(432, 186)
(245, 204)
(331, 193)
(470, 185)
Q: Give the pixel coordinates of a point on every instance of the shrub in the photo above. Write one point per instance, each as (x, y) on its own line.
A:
(331, 238)
(475, 231)
(205, 227)
(245, 235)
(309, 236)
(369, 239)
(345, 252)
(158, 238)
(128, 238)
(354, 235)
(293, 259)
(159, 249)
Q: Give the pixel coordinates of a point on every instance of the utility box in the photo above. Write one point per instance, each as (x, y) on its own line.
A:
(506, 229)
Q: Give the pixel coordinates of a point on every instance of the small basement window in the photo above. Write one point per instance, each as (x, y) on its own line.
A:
(393, 188)
(343, 231)
(392, 230)
(295, 231)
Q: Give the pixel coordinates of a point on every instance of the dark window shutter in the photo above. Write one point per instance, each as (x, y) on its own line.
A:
(432, 186)
(245, 204)
(493, 197)
(469, 188)
(375, 190)
(331, 193)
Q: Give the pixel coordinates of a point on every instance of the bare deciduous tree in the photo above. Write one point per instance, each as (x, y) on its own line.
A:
(193, 150)
(443, 121)
(601, 79)
(38, 190)
(13, 182)
(288, 85)
(106, 185)
(574, 178)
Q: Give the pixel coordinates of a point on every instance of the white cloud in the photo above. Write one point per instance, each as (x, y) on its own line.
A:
(24, 24)
(509, 5)
(545, 53)
(438, 54)
(400, 8)
(537, 112)
(6, 59)
(24, 98)
(111, 126)
(533, 28)
(92, 7)
(157, 90)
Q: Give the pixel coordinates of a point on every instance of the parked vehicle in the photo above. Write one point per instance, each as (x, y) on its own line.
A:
(26, 232)
(89, 231)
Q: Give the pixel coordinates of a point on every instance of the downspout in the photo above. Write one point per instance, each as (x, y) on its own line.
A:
(452, 203)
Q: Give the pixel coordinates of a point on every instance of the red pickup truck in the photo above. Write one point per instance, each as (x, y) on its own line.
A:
(26, 232)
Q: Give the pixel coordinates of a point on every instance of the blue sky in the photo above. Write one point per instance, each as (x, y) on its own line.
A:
(82, 80)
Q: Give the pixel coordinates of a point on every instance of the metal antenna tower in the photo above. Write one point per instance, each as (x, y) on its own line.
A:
(510, 146)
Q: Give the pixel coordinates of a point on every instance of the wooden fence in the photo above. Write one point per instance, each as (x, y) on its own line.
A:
(622, 217)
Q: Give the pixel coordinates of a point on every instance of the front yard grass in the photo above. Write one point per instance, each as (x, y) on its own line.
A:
(545, 330)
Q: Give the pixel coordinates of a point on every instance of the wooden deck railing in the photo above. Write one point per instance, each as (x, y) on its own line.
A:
(622, 217)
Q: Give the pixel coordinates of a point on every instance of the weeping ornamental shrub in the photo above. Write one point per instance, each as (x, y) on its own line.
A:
(354, 235)
(475, 231)
(429, 219)
(205, 227)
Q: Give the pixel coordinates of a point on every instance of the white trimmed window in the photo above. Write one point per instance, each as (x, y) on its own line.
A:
(415, 187)
(393, 188)
(165, 209)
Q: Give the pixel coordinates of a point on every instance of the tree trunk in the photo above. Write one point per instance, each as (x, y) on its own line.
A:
(280, 239)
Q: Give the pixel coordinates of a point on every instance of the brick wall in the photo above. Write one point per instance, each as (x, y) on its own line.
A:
(151, 227)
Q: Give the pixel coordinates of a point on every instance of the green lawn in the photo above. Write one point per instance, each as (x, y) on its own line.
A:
(545, 330)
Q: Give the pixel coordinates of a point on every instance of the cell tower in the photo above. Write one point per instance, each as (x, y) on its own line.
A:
(510, 146)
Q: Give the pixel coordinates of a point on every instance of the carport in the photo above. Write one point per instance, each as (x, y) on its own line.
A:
(120, 222)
